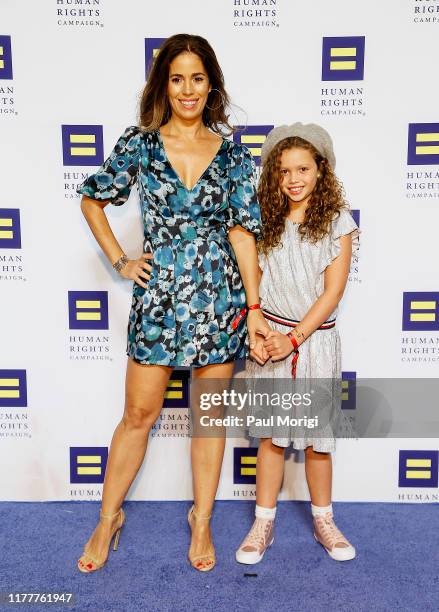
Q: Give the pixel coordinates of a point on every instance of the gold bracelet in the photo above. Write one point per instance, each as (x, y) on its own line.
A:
(299, 334)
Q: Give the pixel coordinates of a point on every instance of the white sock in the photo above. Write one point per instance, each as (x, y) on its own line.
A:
(265, 513)
(319, 510)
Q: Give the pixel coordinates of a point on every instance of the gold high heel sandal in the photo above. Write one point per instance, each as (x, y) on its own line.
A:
(210, 556)
(91, 564)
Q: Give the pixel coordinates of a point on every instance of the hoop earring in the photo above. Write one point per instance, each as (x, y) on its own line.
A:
(222, 103)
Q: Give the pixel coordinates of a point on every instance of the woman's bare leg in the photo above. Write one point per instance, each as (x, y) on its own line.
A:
(145, 386)
(207, 457)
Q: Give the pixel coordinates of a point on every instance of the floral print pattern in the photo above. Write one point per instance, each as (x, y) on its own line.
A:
(184, 316)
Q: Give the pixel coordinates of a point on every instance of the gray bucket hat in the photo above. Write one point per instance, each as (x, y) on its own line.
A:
(311, 132)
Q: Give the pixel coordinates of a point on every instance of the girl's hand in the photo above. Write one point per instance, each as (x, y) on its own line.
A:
(136, 269)
(278, 345)
(256, 324)
(259, 354)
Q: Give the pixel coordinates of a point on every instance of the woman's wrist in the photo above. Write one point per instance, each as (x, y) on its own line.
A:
(121, 263)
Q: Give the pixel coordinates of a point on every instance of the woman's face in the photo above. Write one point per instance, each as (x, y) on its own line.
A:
(298, 174)
(188, 86)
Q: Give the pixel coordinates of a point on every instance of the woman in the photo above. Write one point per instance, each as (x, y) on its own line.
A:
(198, 269)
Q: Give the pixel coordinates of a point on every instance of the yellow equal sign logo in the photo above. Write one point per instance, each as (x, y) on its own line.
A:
(85, 314)
(418, 473)
(430, 305)
(174, 389)
(427, 149)
(13, 388)
(338, 64)
(82, 139)
(344, 390)
(2, 54)
(248, 465)
(93, 467)
(6, 234)
(250, 140)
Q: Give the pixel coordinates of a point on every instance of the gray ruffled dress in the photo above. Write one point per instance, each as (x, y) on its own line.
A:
(292, 280)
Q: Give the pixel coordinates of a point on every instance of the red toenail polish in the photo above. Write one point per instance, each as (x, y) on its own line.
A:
(89, 566)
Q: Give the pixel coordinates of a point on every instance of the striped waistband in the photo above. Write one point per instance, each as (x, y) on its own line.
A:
(292, 322)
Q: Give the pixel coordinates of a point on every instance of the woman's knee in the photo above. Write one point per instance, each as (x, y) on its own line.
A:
(140, 415)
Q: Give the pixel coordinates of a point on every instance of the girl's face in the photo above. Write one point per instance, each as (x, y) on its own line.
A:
(298, 174)
(188, 86)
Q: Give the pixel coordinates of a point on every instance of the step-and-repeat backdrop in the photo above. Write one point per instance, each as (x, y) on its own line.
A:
(71, 72)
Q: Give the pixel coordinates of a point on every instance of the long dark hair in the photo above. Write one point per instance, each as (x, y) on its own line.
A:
(155, 109)
(325, 203)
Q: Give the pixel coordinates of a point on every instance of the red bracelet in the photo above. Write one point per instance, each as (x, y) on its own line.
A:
(242, 314)
(295, 355)
(293, 341)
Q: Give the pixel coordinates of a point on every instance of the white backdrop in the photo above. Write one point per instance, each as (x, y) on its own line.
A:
(82, 63)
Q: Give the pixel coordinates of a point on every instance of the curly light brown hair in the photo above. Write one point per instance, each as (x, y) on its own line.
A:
(324, 205)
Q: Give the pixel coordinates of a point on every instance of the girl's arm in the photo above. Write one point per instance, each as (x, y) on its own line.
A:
(335, 278)
(244, 246)
(93, 211)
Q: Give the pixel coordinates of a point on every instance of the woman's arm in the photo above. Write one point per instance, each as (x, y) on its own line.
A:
(93, 211)
(244, 245)
(335, 278)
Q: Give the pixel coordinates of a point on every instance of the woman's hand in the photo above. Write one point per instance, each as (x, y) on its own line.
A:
(278, 345)
(256, 324)
(136, 269)
(259, 354)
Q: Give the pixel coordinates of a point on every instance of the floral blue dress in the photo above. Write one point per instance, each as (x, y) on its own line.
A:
(184, 316)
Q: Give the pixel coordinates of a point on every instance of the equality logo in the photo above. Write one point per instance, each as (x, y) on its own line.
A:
(13, 389)
(177, 390)
(423, 144)
(88, 464)
(5, 58)
(348, 390)
(418, 468)
(10, 229)
(356, 216)
(244, 465)
(420, 311)
(82, 145)
(88, 309)
(253, 137)
(152, 47)
(343, 58)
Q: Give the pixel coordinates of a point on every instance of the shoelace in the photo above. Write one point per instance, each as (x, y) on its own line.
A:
(329, 530)
(256, 537)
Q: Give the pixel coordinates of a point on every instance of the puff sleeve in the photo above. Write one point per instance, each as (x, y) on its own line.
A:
(342, 225)
(114, 179)
(243, 202)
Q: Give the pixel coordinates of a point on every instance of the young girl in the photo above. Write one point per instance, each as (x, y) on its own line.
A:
(305, 255)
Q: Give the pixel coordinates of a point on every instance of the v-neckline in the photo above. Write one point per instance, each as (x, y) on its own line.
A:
(162, 144)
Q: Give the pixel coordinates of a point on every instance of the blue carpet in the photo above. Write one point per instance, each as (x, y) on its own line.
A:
(396, 566)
